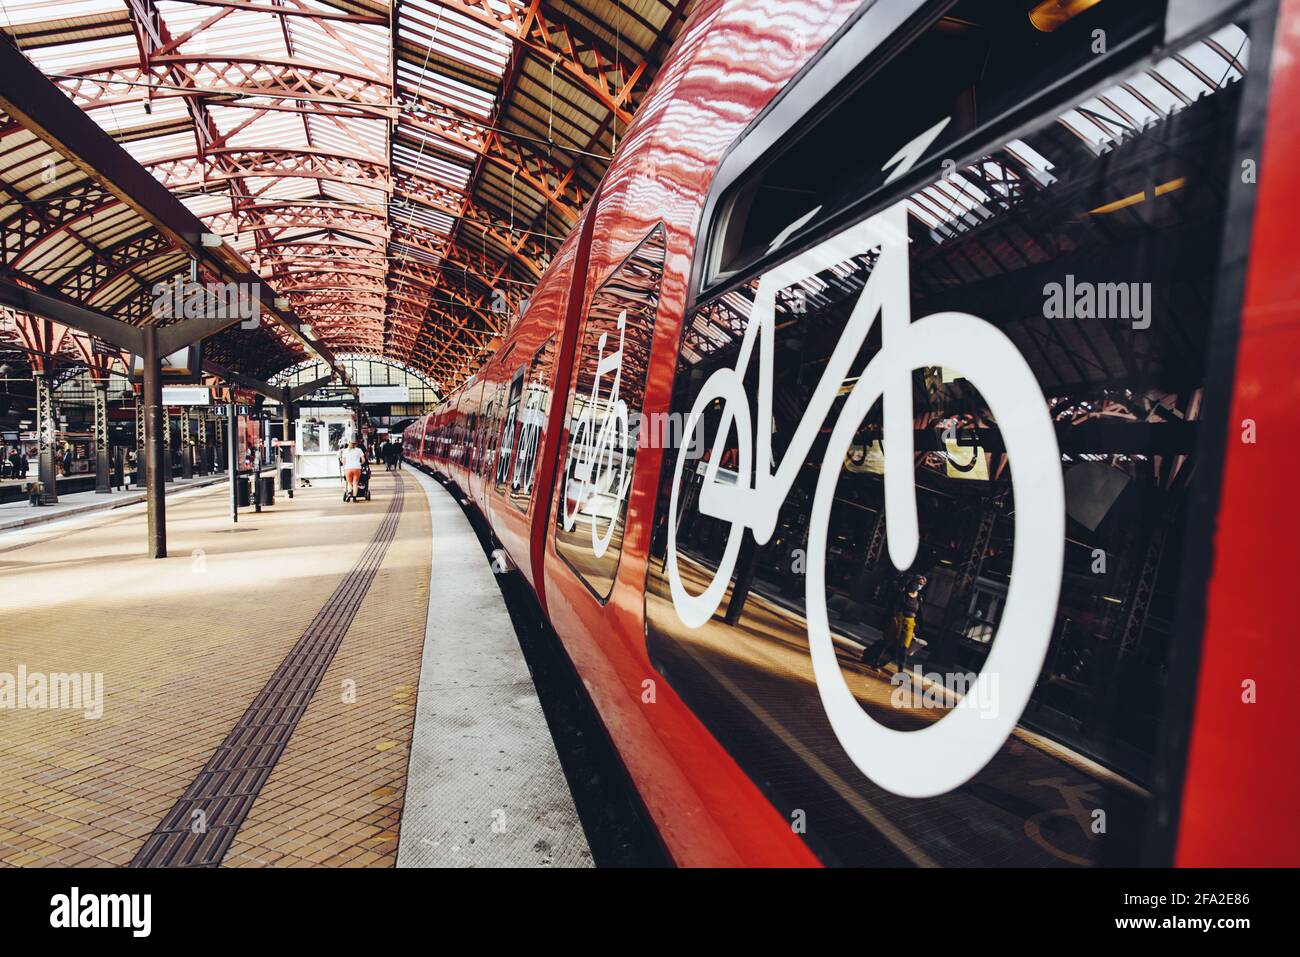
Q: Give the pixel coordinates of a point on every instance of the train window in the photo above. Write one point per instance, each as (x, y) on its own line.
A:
(996, 57)
(490, 430)
(505, 462)
(604, 415)
(535, 407)
(1007, 518)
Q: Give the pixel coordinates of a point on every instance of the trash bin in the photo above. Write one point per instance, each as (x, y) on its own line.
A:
(286, 477)
(266, 490)
(244, 491)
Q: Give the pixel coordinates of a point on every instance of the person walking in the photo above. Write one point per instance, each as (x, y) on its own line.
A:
(352, 459)
(902, 618)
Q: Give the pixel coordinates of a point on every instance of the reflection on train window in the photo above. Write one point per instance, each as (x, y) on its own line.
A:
(492, 434)
(506, 459)
(535, 406)
(604, 415)
(1092, 242)
(994, 60)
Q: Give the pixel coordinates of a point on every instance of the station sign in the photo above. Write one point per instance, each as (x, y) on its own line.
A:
(186, 395)
(384, 393)
(183, 365)
(224, 410)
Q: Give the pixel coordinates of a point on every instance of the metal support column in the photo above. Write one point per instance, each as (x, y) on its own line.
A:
(155, 426)
(286, 420)
(103, 481)
(232, 453)
(167, 442)
(139, 438)
(957, 614)
(45, 433)
(187, 447)
(202, 443)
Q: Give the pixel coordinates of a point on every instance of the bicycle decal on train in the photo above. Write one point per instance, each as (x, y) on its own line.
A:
(947, 753)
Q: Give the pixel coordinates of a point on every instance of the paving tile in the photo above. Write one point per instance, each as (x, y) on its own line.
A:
(184, 644)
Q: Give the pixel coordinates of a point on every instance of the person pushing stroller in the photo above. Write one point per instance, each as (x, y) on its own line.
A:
(354, 463)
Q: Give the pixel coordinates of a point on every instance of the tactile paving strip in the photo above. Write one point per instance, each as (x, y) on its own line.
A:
(200, 828)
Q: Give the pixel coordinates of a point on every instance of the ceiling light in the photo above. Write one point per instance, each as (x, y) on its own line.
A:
(210, 240)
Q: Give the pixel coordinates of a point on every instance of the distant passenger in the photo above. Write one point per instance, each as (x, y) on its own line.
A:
(902, 618)
(392, 455)
(352, 459)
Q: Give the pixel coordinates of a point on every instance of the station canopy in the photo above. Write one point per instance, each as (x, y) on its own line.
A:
(401, 173)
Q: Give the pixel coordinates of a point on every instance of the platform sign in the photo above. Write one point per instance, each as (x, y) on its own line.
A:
(220, 411)
(101, 348)
(384, 393)
(186, 395)
(183, 365)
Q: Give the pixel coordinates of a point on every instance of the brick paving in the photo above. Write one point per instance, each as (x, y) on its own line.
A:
(184, 645)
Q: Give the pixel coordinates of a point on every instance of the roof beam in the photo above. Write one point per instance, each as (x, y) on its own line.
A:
(68, 313)
(39, 105)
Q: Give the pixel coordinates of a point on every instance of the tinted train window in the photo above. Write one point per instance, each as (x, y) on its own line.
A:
(1052, 298)
(505, 461)
(535, 407)
(604, 415)
(995, 58)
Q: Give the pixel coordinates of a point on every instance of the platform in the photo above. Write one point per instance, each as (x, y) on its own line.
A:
(19, 513)
(486, 787)
(260, 687)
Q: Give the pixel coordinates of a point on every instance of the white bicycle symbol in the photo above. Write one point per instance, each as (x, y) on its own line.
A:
(593, 458)
(950, 751)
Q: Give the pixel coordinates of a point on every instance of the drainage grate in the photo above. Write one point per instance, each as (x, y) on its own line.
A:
(202, 825)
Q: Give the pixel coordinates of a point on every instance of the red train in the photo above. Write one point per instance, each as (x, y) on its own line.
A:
(1040, 252)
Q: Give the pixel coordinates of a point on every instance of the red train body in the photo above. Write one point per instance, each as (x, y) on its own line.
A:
(1127, 145)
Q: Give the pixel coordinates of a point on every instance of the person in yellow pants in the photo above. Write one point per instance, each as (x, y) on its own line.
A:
(901, 626)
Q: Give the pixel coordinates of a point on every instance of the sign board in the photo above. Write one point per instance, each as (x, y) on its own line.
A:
(223, 410)
(101, 348)
(183, 365)
(384, 393)
(186, 395)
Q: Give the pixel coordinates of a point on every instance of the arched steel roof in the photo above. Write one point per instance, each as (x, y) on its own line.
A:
(394, 169)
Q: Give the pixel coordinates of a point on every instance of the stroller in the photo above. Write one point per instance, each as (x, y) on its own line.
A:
(363, 485)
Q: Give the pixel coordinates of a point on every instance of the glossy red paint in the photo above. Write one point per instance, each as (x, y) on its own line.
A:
(1238, 800)
(730, 61)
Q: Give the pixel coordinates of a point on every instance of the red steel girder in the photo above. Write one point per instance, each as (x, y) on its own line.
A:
(586, 58)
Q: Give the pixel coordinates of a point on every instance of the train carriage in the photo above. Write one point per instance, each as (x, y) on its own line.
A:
(906, 290)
